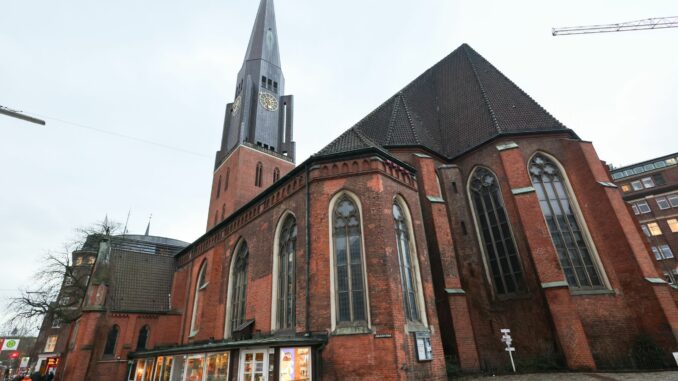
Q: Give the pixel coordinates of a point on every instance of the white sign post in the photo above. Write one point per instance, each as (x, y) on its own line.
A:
(506, 339)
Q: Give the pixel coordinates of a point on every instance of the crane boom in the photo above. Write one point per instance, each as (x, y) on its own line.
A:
(19, 115)
(651, 23)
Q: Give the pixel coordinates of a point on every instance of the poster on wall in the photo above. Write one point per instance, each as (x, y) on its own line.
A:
(295, 364)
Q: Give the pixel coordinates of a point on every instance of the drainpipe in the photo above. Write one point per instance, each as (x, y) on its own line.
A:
(308, 254)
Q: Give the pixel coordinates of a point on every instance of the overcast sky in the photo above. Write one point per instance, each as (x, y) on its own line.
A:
(163, 71)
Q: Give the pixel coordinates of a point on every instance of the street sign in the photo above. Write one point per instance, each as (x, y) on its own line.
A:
(10, 345)
(507, 339)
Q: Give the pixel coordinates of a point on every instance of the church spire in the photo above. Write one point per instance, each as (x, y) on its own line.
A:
(264, 39)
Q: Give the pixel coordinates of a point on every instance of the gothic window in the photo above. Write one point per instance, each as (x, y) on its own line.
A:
(494, 233)
(276, 174)
(228, 173)
(257, 175)
(348, 265)
(223, 211)
(263, 81)
(142, 341)
(200, 285)
(111, 340)
(286, 271)
(407, 269)
(219, 187)
(573, 248)
(239, 291)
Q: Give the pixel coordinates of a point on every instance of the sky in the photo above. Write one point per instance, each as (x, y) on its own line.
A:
(134, 94)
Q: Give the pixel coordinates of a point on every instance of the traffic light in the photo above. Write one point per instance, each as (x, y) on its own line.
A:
(14, 355)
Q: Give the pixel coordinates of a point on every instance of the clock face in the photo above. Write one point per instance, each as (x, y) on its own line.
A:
(236, 105)
(269, 101)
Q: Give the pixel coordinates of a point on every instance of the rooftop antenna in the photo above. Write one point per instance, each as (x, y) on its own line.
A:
(644, 24)
(20, 115)
(124, 231)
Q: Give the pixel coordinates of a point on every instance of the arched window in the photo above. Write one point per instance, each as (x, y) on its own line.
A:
(111, 340)
(407, 269)
(219, 187)
(223, 212)
(200, 285)
(142, 341)
(573, 248)
(348, 266)
(276, 174)
(239, 287)
(494, 233)
(257, 175)
(228, 174)
(285, 274)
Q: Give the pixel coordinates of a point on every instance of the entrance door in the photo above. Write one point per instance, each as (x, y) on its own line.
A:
(254, 365)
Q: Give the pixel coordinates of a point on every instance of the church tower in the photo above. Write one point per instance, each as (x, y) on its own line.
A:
(256, 145)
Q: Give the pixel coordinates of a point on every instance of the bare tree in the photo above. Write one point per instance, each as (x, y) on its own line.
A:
(58, 286)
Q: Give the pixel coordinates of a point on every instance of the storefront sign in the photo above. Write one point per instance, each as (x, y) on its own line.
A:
(10, 345)
(424, 349)
(382, 336)
(295, 364)
(24, 362)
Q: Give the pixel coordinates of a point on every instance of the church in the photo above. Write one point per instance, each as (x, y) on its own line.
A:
(456, 209)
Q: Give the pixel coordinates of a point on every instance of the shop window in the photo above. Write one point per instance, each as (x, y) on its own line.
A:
(285, 276)
(217, 367)
(239, 286)
(257, 175)
(195, 368)
(673, 200)
(351, 304)
(494, 233)
(569, 240)
(111, 340)
(50, 344)
(643, 207)
(142, 340)
(673, 225)
(637, 185)
(663, 203)
(647, 182)
(295, 363)
(200, 285)
(407, 261)
(654, 229)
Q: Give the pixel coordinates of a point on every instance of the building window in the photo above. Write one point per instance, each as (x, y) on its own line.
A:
(111, 339)
(635, 209)
(637, 185)
(286, 270)
(643, 207)
(51, 343)
(647, 182)
(239, 295)
(658, 179)
(645, 230)
(257, 175)
(495, 233)
(673, 200)
(348, 263)
(654, 229)
(219, 187)
(408, 276)
(662, 252)
(276, 174)
(228, 173)
(673, 224)
(200, 285)
(263, 81)
(625, 188)
(144, 334)
(568, 238)
(663, 203)
(223, 212)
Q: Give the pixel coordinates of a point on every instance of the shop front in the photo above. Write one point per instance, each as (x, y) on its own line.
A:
(248, 360)
(47, 363)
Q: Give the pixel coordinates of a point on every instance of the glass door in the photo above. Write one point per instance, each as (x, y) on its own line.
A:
(254, 365)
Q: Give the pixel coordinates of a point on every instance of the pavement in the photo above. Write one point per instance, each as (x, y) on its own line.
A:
(646, 376)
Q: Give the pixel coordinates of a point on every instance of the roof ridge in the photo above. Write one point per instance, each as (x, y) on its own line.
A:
(482, 88)
(391, 121)
(365, 139)
(409, 119)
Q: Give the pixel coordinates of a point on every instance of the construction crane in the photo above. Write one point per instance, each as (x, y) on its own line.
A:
(19, 115)
(651, 23)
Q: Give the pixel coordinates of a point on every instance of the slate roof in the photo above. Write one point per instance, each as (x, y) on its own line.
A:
(455, 106)
(141, 273)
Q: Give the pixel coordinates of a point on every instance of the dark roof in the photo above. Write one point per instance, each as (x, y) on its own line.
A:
(455, 106)
(141, 273)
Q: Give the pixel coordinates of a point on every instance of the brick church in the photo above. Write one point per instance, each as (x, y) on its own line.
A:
(457, 208)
